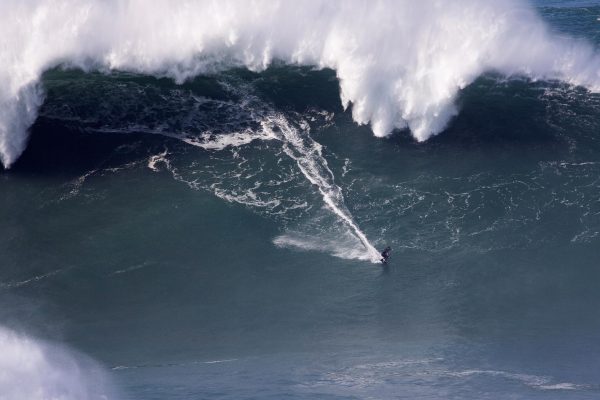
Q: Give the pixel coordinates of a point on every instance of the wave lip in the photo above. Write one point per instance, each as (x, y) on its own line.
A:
(400, 64)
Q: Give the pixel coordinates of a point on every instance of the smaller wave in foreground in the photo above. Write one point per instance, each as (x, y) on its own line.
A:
(35, 370)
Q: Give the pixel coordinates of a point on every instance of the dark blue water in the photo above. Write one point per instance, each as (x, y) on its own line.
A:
(193, 263)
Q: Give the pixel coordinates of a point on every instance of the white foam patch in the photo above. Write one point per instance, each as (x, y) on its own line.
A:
(534, 381)
(385, 377)
(400, 63)
(156, 159)
(248, 197)
(561, 386)
(35, 370)
(210, 141)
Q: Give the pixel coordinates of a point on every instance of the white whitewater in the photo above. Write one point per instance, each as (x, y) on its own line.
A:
(36, 370)
(400, 63)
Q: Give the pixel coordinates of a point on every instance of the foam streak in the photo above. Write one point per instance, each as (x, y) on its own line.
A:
(308, 155)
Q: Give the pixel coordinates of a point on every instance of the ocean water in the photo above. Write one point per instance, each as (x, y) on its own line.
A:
(208, 226)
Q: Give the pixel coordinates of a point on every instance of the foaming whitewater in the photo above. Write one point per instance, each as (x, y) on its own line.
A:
(400, 63)
(298, 145)
(35, 370)
(308, 155)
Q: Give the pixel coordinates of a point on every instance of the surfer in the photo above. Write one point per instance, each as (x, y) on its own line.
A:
(385, 254)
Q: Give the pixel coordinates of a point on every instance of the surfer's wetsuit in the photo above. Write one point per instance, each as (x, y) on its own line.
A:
(385, 254)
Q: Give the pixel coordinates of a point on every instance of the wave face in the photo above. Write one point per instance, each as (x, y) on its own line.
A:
(212, 238)
(34, 370)
(399, 63)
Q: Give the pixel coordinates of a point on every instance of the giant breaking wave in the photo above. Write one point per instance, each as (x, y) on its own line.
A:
(400, 63)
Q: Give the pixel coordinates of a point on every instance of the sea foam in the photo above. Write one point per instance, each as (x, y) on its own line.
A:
(400, 63)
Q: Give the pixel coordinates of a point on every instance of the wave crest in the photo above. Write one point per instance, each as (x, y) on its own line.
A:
(400, 63)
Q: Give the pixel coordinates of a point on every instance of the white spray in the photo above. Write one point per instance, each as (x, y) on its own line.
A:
(35, 370)
(400, 63)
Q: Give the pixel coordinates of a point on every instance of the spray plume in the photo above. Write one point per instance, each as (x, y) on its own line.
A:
(400, 63)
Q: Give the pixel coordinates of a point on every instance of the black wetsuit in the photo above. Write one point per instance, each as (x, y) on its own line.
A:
(385, 254)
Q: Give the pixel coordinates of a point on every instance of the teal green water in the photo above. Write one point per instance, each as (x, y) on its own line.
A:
(191, 270)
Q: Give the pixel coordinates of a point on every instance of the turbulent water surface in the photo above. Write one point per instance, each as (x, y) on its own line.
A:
(195, 210)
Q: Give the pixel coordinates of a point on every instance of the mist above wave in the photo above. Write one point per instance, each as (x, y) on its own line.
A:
(400, 63)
